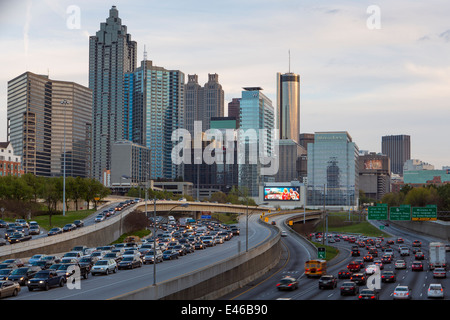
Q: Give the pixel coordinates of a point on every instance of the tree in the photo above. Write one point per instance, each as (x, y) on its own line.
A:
(420, 197)
(51, 193)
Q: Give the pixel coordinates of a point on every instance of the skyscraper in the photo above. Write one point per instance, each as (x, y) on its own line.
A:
(257, 113)
(398, 149)
(154, 107)
(288, 105)
(112, 53)
(203, 103)
(333, 170)
(49, 125)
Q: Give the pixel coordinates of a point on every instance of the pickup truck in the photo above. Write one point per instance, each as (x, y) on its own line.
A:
(45, 279)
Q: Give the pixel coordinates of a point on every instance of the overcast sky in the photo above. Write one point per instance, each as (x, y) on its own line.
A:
(371, 68)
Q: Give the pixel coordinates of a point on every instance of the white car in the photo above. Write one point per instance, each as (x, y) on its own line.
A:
(402, 292)
(99, 218)
(371, 269)
(435, 290)
(439, 273)
(283, 233)
(400, 264)
(104, 266)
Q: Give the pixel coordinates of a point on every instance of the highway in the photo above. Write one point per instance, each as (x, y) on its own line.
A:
(110, 286)
(296, 252)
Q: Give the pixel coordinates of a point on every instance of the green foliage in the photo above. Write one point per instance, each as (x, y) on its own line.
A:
(420, 197)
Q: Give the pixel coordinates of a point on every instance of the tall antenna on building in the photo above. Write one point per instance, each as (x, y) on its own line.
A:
(289, 52)
(145, 54)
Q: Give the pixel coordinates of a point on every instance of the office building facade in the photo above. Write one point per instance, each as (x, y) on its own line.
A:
(49, 125)
(257, 113)
(333, 170)
(203, 103)
(398, 149)
(288, 106)
(374, 174)
(154, 108)
(112, 53)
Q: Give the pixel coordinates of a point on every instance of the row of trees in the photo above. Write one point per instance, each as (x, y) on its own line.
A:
(420, 197)
(24, 194)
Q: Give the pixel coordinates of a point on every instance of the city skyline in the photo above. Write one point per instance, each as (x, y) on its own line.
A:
(369, 82)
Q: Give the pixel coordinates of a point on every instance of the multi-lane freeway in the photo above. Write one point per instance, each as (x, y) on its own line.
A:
(296, 251)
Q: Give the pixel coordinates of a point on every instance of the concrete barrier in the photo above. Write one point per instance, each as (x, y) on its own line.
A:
(216, 280)
(438, 228)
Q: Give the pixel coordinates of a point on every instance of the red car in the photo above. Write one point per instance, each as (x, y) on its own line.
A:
(417, 266)
(353, 266)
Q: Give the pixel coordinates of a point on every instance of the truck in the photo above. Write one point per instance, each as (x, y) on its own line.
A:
(437, 255)
(45, 279)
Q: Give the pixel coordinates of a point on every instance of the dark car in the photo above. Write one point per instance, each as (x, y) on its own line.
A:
(344, 274)
(181, 249)
(69, 227)
(349, 288)
(386, 259)
(78, 223)
(388, 276)
(43, 264)
(353, 266)
(3, 224)
(130, 263)
(419, 255)
(18, 237)
(327, 281)
(54, 231)
(368, 294)
(23, 274)
(359, 278)
(199, 245)
(287, 283)
(45, 279)
(4, 273)
(356, 253)
(170, 255)
(86, 262)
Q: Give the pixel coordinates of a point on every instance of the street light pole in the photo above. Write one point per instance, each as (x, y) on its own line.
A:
(65, 103)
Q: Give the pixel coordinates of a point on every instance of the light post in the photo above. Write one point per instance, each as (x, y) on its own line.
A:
(65, 103)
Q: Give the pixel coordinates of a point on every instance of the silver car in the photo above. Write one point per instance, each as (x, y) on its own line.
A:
(435, 290)
(402, 292)
(104, 266)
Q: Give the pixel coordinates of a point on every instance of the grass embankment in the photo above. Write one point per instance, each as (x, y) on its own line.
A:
(340, 223)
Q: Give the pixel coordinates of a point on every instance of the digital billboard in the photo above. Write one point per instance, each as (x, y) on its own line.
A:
(373, 164)
(282, 193)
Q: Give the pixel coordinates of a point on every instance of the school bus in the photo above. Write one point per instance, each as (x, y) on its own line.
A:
(315, 268)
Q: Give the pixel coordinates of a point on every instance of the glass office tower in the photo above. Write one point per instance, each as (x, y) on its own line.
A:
(333, 170)
(257, 113)
(398, 149)
(111, 55)
(46, 132)
(154, 105)
(288, 106)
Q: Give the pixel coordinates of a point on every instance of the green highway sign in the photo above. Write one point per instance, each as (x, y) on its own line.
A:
(321, 253)
(402, 213)
(424, 213)
(379, 212)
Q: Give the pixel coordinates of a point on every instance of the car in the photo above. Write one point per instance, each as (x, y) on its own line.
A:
(388, 276)
(359, 278)
(439, 273)
(371, 269)
(353, 266)
(86, 261)
(435, 290)
(36, 257)
(18, 237)
(104, 266)
(368, 258)
(54, 231)
(34, 230)
(130, 263)
(4, 273)
(181, 249)
(387, 258)
(9, 288)
(356, 253)
(400, 240)
(99, 218)
(400, 264)
(416, 243)
(199, 245)
(417, 266)
(43, 264)
(283, 233)
(327, 281)
(368, 294)
(287, 283)
(344, 274)
(401, 292)
(170, 255)
(79, 223)
(45, 279)
(67, 269)
(150, 257)
(23, 274)
(69, 227)
(419, 255)
(349, 288)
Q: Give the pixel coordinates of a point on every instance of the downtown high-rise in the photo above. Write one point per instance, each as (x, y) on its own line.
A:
(49, 125)
(288, 106)
(154, 109)
(398, 149)
(112, 53)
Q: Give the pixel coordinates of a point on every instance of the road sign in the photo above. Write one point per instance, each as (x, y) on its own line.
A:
(205, 217)
(424, 213)
(378, 212)
(321, 253)
(402, 213)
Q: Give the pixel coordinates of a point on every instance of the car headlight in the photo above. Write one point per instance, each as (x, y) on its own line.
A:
(41, 281)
